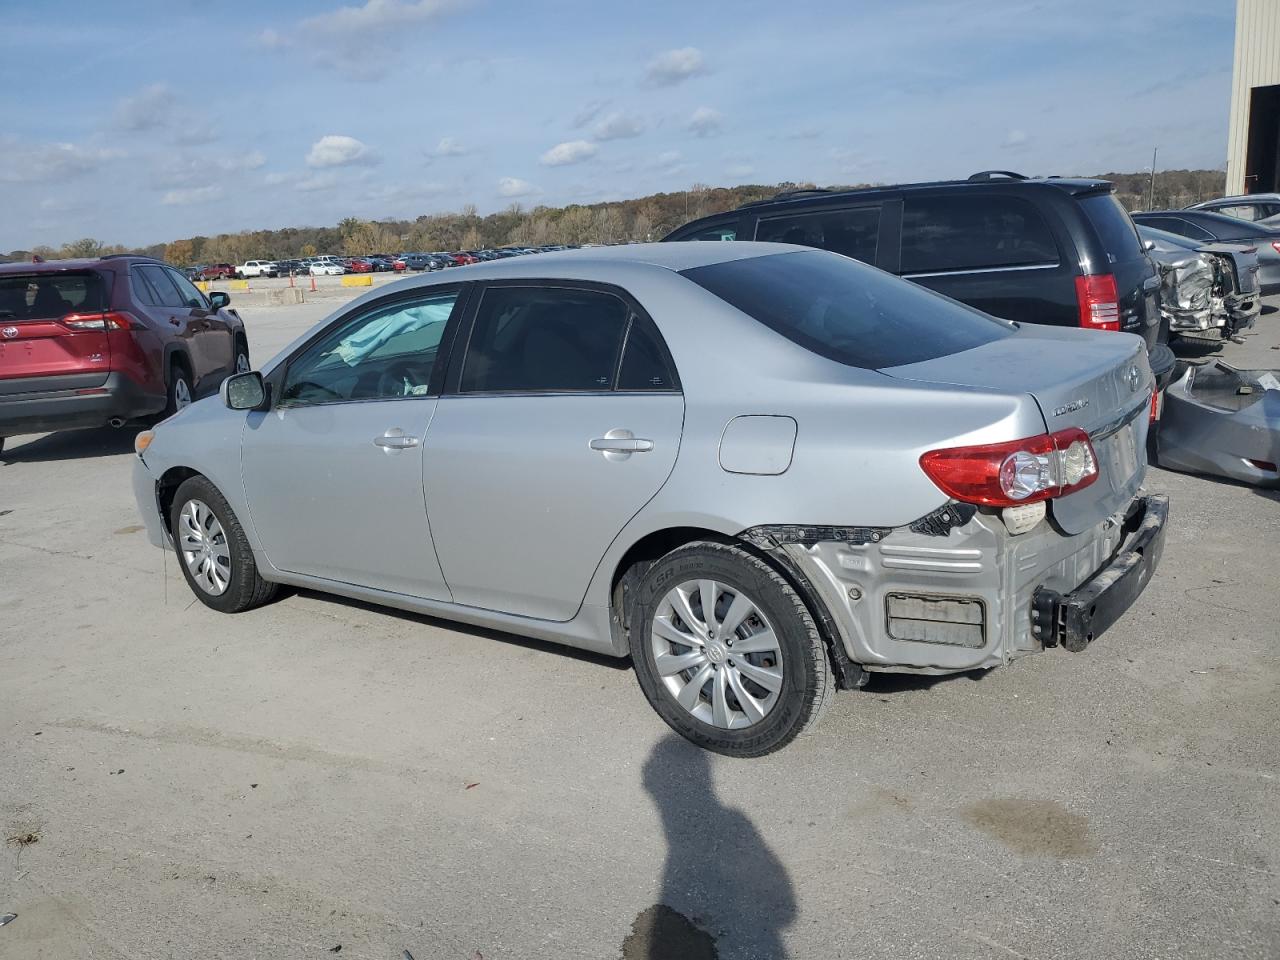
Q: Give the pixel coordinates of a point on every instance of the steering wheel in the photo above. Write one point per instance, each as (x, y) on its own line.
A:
(295, 388)
(397, 380)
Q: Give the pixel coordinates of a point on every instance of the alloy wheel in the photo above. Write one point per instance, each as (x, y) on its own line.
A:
(181, 393)
(716, 654)
(204, 548)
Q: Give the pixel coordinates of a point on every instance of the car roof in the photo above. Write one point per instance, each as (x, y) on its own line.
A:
(1203, 216)
(109, 262)
(1071, 185)
(677, 256)
(1239, 198)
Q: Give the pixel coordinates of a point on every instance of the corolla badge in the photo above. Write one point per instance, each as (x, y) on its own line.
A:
(1071, 407)
(9, 332)
(1132, 377)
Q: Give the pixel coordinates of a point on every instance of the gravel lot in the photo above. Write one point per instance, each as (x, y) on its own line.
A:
(177, 783)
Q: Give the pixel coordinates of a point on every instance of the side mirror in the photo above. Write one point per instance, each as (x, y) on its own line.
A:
(1148, 245)
(218, 299)
(244, 391)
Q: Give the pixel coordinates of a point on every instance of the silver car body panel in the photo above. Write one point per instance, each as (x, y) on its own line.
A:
(528, 543)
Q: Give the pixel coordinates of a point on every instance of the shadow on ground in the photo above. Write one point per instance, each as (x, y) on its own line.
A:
(70, 445)
(724, 892)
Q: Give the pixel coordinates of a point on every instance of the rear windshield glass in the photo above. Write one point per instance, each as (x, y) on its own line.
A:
(846, 311)
(1115, 229)
(39, 296)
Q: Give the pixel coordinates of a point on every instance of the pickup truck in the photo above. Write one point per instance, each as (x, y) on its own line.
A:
(257, 268)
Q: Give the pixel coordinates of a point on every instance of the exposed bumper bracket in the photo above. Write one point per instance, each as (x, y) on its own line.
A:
(1080, 617)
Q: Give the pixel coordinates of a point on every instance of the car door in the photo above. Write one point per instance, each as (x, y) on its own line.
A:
(560, 420)
(217, 341)
(333, 471)
(154, 287)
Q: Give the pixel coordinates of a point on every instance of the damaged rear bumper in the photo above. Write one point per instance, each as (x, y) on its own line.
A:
(1076, 619)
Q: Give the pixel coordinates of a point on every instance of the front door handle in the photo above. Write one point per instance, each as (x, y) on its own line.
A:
(395, 439)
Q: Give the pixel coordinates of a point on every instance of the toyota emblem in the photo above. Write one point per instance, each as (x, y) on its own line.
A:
(9, 332)
(1133, 377)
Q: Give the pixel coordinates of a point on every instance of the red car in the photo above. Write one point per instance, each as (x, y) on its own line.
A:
(360, 265)
(216, 271)
(86, 343)
(400, 265)
(465, 258)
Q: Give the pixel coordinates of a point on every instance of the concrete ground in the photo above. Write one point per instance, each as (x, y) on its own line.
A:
(319, 774)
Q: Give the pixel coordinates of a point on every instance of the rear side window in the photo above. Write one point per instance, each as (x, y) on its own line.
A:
(644, 360)
(1183, 228)
(1114, 226)
(846, 311)
(40, 296)
(531, 339)
(160, 287)
(853, 233)
(973, 233)
(723, 231)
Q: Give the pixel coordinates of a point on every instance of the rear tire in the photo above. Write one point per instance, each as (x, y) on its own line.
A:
(180, 393)
(742, 686)
(205, 532)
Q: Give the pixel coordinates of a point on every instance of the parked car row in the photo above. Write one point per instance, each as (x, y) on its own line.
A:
(330, 265)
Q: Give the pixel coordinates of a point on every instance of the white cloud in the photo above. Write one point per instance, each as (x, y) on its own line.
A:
(22, 162)
(362, 41)
(448, 147)
(515, 187)
(675, 66)
(149, 109)
(740, 170)
(705, 122)
(318, 181)
(618, 126)
(184, 198)
(336, 150)
(589, 112)
(571, 151)
(270, 39)
(202, 169)
(1015, 138)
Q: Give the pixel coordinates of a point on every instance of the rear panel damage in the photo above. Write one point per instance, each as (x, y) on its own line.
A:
(951, 592)
(1223, 421)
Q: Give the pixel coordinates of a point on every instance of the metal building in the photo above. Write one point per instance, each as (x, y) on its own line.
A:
(1253, 143)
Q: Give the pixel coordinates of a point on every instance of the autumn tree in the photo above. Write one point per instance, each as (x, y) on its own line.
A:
(180, 253)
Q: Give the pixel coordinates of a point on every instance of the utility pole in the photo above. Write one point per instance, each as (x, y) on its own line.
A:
(1151, 187)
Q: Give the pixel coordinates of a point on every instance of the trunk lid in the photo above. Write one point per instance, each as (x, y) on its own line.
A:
(34, 340)
(1099, 382)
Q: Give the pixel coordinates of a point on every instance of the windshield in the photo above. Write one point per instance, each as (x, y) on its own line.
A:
(847, 311)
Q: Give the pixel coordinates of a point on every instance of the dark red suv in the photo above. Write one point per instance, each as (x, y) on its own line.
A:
(86, 343)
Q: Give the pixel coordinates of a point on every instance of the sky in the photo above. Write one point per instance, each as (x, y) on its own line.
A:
(141, 122)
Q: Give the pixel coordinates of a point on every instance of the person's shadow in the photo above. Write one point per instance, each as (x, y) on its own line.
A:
(721, 884)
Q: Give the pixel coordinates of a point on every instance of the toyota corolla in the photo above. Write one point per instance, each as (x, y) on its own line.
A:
(760, 471)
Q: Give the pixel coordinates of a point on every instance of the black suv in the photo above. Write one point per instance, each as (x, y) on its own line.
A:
(1053, 250)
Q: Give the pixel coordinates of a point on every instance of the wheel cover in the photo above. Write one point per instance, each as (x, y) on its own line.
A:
(181, 394)
(204, 548)
(716, 654)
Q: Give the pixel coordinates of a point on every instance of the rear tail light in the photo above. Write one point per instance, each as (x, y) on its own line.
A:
(1156, 404)
(1098, 302)
(118, 320)
(1018, 471)
(1275, 245)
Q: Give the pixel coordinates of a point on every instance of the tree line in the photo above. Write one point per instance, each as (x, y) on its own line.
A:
(637, 220)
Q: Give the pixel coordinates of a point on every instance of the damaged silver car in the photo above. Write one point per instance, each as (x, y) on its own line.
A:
(1208, 291)
(759, 470)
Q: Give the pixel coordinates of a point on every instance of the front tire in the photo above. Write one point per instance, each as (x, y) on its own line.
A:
(746, 678)
(213, 552)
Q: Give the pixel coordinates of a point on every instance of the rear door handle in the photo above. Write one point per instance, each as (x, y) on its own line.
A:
(395, 439)
(622, 445)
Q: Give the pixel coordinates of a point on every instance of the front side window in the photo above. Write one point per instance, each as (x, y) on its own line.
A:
(385, 353)
(187, 290)
(942, 233)
(846, 311)
(1245, 212)
(723, 231)
(853, 233)
(530, 339)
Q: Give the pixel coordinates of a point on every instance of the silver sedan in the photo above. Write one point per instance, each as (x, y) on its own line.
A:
(760, 471)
